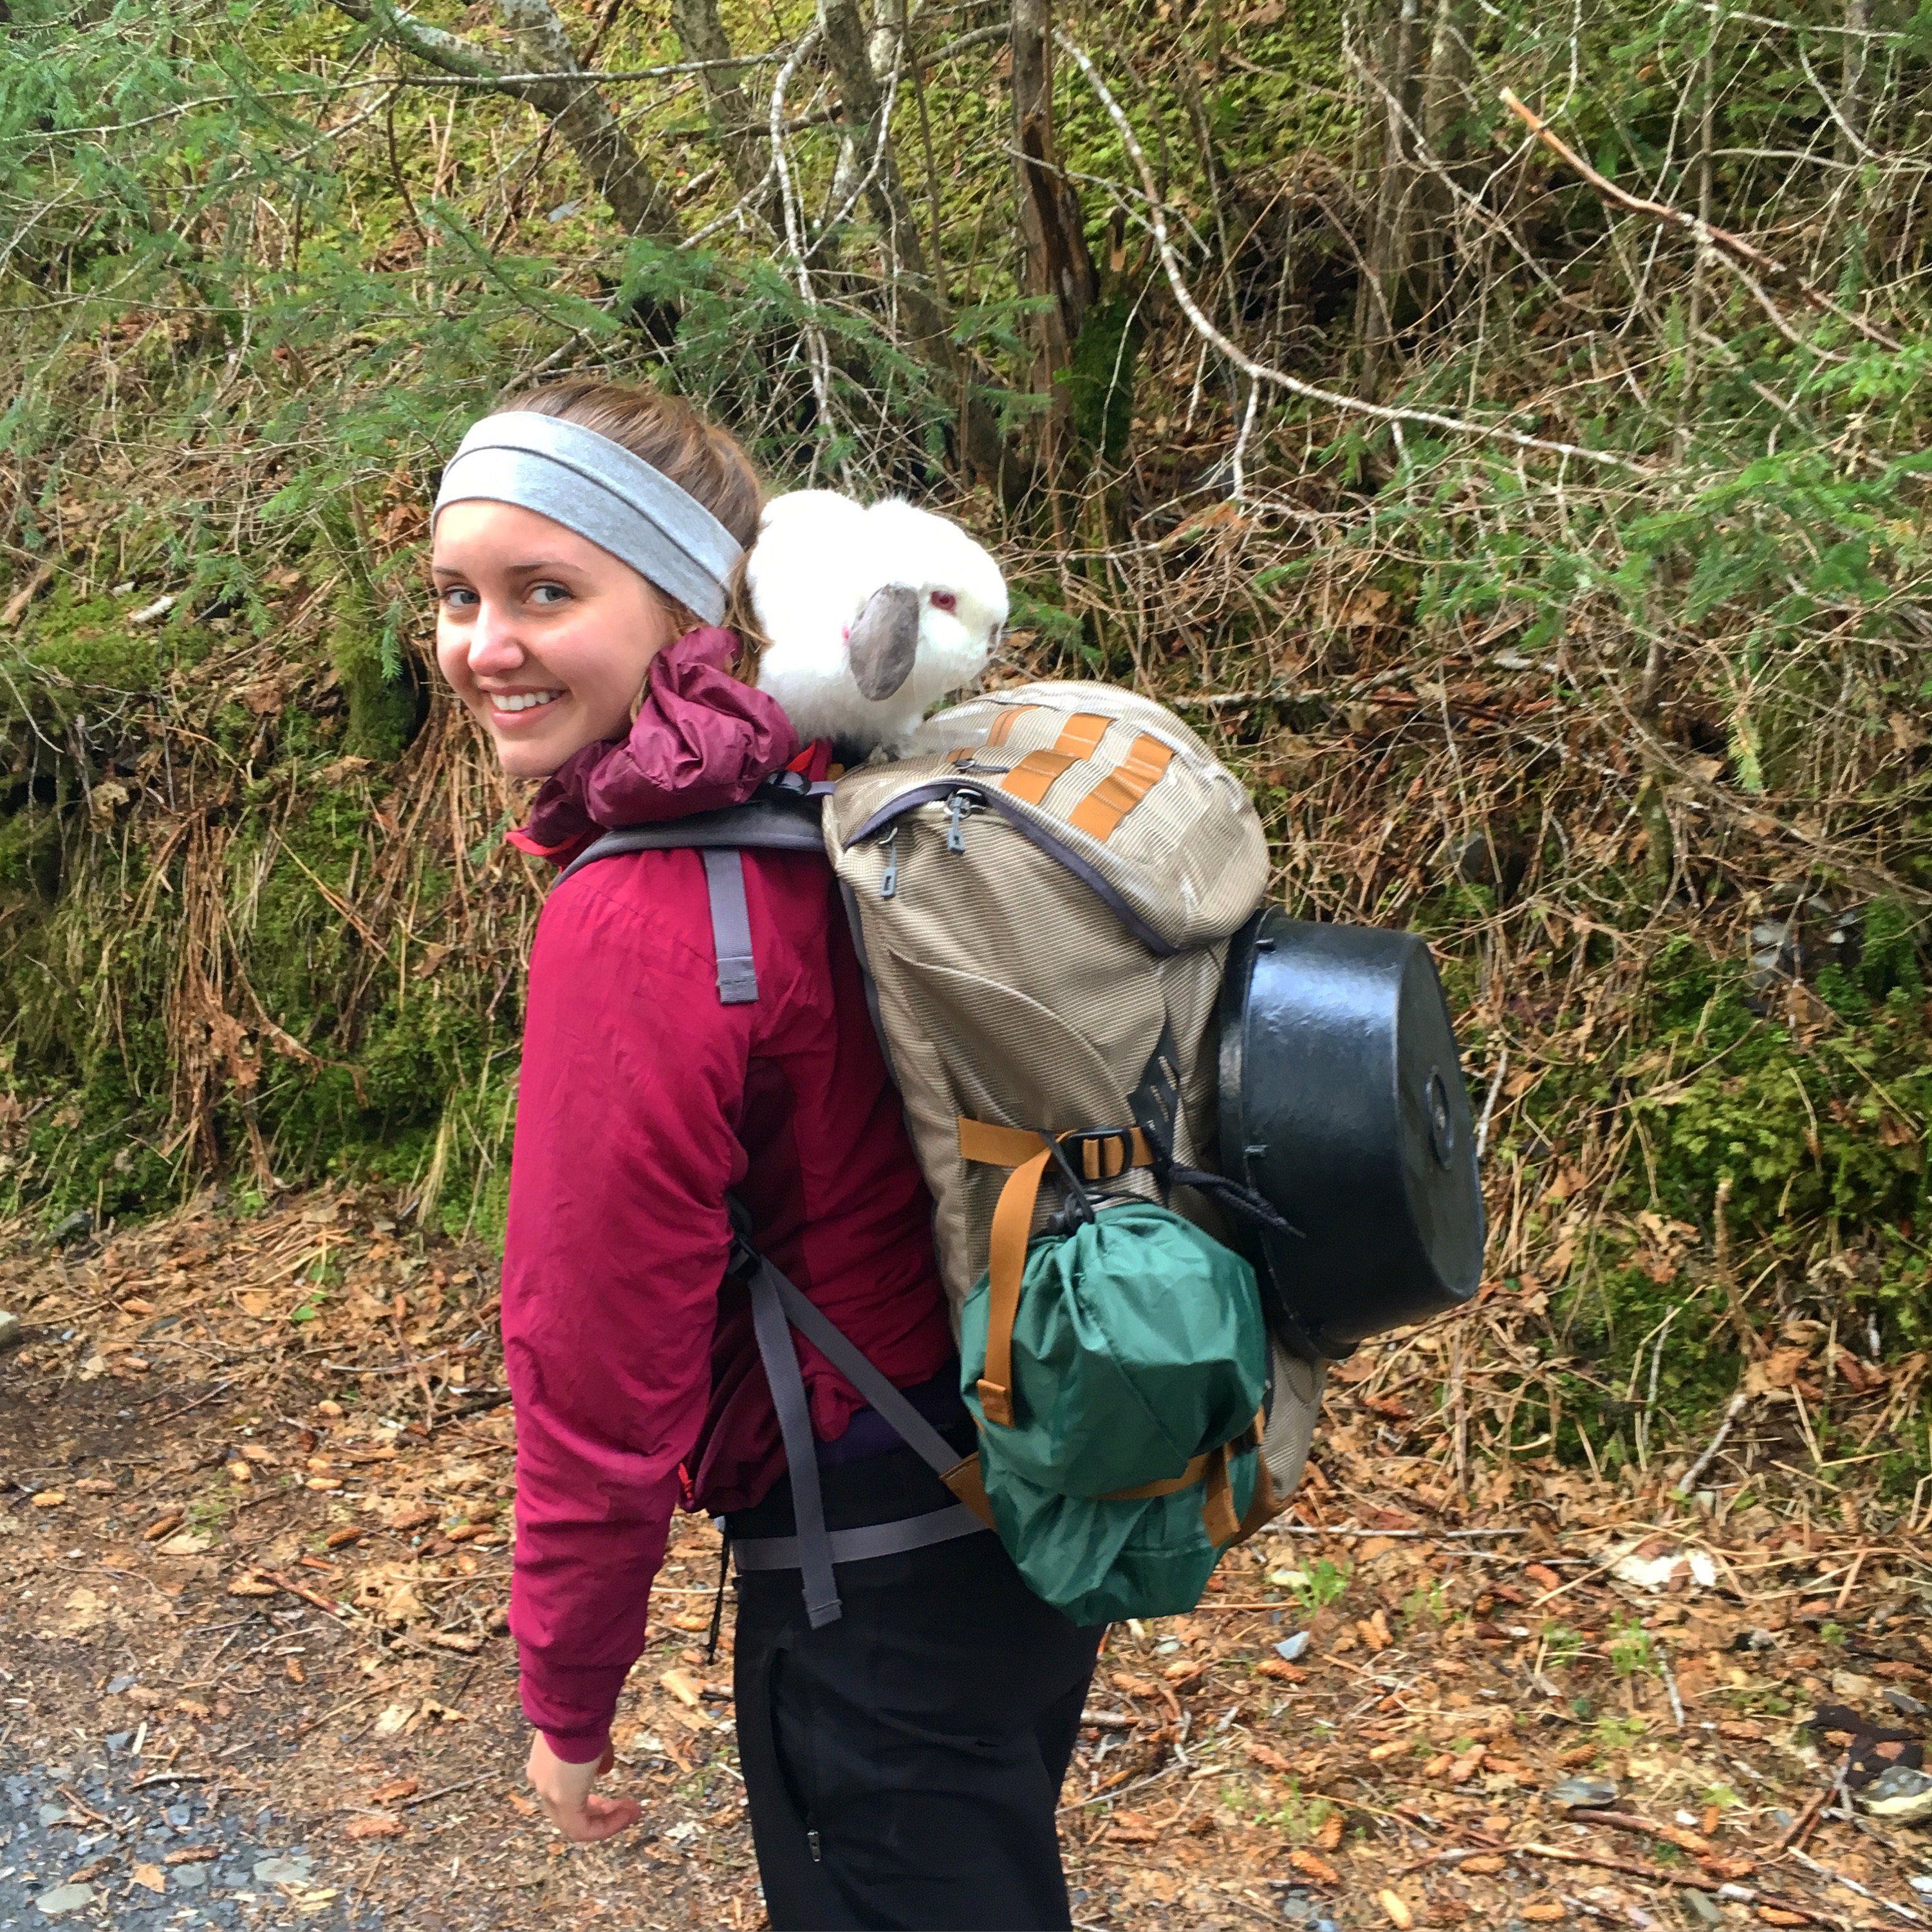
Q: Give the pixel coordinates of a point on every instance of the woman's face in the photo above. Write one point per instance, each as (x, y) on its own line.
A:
(546, 638)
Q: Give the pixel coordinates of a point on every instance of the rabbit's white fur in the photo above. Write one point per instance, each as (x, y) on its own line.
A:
(819, 559)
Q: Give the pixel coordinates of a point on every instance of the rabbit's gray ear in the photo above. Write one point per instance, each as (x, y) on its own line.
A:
(884, 640)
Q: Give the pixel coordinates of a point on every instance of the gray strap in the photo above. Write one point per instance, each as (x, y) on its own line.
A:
(782, 824)
(812, 1322)
(787, 1383)
(730, 925)
(859, 1545)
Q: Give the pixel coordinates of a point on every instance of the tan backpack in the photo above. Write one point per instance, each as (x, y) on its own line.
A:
(1043, 889)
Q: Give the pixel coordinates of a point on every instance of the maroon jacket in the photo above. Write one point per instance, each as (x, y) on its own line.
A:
(642, 1101)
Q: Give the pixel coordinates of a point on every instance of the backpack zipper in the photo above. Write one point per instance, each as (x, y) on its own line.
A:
(886, 818)
(959, 807)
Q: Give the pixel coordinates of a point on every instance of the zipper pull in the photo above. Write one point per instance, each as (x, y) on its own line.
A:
(959, 807)
(889, 884)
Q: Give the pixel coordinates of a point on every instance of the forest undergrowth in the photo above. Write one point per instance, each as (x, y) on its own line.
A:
(1500, 430)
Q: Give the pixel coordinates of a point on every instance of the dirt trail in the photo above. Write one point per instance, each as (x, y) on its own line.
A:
(254, 1555)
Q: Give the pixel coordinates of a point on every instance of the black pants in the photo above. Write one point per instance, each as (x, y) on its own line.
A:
(903, 1764)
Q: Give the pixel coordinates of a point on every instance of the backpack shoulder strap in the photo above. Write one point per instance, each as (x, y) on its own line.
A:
(777, 821)
(784, 822)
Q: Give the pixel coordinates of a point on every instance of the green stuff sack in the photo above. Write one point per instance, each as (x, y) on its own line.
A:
(1119, 1452)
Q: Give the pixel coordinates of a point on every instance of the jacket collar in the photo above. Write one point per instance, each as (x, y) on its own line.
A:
(701, 740)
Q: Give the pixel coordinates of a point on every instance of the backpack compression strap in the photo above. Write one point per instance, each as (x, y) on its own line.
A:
(1093, 1154)
(1102, 1154)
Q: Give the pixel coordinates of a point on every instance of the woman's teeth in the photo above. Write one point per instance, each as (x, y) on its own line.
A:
(527, 701)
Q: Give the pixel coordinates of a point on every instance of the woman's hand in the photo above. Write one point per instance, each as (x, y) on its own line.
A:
(564, 1791)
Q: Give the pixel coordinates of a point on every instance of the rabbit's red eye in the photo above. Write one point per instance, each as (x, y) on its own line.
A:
(944, 600)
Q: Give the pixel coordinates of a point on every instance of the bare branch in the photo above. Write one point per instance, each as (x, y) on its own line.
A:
(581, 117)
(1719, 238)
(1261, 372)
(700, 31)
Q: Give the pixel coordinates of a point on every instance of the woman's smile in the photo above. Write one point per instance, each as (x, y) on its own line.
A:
(515, 704)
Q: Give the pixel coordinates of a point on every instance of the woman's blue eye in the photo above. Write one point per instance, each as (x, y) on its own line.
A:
(537, 591)
(455, 594)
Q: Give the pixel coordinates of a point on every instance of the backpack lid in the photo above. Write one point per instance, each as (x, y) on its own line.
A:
(1342, 1101)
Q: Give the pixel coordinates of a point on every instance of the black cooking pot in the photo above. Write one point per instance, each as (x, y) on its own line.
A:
(1342, 1102)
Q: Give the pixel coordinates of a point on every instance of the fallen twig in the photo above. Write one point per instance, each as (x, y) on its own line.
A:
(1801, 1828)
(1688, 1482)
(446, 1791)
(1397, 1535)
(476, 1405)
(1670, 1688)
(1693, 1842)
(308, 1596)
(1852, 1885)
(1733, 1893)
(219, 1388)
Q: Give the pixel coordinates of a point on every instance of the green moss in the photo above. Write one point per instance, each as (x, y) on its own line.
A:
(29, 854)
(89, 641)
(362, 647)
(1099, 377)
(382, 708)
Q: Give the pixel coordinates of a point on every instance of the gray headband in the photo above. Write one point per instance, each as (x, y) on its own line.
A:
(596, 487)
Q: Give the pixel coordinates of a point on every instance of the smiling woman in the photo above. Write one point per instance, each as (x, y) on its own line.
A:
(547, 623)
(903, 1740)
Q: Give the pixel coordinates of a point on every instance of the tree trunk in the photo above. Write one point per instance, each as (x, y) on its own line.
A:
(1445, 109)
(1395, 57)
(921, 300)
(735, 123)
(636, 197)
(1058, 265)
(1853, 105)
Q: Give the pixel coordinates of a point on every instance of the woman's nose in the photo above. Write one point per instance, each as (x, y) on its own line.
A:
(494, 646)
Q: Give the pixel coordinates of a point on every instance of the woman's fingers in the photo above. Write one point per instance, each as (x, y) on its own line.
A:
(604, 1818)
(596, 1818)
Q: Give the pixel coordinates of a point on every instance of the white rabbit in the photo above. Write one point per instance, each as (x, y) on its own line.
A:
(870, 614)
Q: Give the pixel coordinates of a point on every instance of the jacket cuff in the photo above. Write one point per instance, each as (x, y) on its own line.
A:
(578, 1747)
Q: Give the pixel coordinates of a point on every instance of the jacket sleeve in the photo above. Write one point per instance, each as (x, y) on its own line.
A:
(633, 1077)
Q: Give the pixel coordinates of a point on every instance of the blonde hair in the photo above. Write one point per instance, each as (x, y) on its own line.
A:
(677, 440)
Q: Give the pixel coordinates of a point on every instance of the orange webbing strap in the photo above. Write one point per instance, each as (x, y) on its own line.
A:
(1033, 777)
(1217, 1507)
(1099, 813)
(1003, 725)
(1081, 735)
(969, 1487)
(1006, 1264)
(1265, 1505)
(980, 1141)
(1197, 1467)
(1027, 1154)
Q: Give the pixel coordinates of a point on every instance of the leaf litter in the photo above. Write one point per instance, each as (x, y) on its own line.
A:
(256, 1546)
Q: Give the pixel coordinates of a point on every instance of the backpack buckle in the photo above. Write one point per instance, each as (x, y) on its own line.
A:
(741, 1259)
(1103, 1153)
